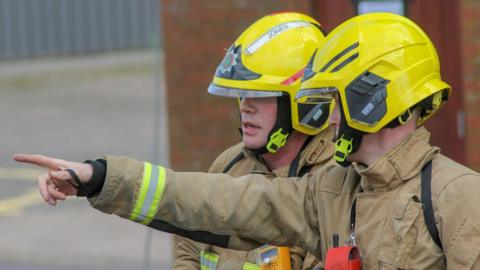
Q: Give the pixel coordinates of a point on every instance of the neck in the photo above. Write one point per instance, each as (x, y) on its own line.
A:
(286, 154)
(375, 145)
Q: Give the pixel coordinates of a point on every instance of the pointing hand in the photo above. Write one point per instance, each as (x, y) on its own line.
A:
(57, 183)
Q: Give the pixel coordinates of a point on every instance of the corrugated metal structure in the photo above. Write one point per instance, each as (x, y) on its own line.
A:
(31, 28)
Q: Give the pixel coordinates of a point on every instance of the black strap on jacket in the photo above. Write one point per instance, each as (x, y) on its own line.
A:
(353, 210)
(292, 170)
(233, 162)
(426, 197)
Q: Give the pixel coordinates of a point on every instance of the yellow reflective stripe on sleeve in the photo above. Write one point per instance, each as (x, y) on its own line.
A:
(150, 193)
(250, 266)
(156, 196)
(147, 169)
(208, 260)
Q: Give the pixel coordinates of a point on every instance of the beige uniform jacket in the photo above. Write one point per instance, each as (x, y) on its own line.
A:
(316, 154)
(247, 211)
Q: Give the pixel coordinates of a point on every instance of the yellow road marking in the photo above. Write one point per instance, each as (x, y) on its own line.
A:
(14, 206)
(19, 174)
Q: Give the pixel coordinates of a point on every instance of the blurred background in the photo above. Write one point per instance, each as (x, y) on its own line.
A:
(82, 78)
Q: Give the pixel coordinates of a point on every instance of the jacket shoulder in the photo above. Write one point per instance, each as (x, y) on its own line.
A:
(225, 158)
(455, 200)
(446, 171)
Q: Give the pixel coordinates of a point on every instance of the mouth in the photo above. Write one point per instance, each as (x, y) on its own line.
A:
(249, 125)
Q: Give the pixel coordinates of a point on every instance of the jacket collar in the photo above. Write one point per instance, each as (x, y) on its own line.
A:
(320, 149)
(401, 163)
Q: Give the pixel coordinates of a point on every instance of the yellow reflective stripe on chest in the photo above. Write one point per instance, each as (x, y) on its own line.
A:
(150, 193)
(250, 266)
(208, 260)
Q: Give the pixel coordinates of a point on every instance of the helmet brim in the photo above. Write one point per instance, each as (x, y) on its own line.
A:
(241, 93)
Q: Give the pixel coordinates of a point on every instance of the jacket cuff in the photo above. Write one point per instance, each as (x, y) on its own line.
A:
(95, 184)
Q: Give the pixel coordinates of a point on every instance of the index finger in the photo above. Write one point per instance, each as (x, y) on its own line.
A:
(40, 160)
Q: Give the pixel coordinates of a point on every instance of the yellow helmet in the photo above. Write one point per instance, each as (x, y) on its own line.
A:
(268, 60)
(383, 66)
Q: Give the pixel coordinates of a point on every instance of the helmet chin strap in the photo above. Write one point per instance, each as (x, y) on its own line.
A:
(277, 137)
(348, 141)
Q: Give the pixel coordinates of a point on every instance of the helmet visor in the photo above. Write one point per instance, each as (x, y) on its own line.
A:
(240, 93)
(316, 96)
(315, 106)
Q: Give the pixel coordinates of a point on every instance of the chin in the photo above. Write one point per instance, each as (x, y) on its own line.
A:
(253, 144)
(254, 141)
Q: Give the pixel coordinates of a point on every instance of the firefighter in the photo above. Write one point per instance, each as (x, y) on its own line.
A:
(280, 138)
(398, 201)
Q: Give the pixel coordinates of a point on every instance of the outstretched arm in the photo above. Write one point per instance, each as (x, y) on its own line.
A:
(279, 212)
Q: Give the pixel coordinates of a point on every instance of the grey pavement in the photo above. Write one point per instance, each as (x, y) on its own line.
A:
(74, 108)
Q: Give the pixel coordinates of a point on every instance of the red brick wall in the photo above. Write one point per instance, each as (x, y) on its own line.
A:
(196, 32)
(470, 12)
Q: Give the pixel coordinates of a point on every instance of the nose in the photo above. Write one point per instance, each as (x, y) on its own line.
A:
(335, 116)
(247, 105)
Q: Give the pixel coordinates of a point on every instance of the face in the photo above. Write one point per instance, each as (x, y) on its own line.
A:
(334, 119)
(258, 118)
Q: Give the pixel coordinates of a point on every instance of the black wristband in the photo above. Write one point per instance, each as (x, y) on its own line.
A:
(77, 184)
(95, 184)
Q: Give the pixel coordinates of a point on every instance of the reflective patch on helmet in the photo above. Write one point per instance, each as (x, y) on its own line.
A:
(272, 33)
(368, 109)
(294, 77)
(366, 98)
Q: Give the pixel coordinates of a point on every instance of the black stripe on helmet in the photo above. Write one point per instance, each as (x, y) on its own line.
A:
(344, 63)
(338, 56)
